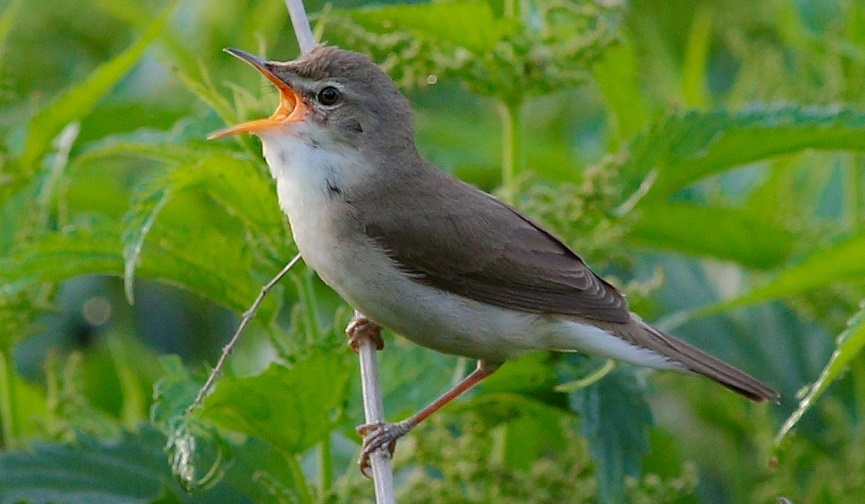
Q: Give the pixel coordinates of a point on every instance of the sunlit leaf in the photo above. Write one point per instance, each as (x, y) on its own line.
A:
(222, 274)
(849, 346)
(685, 148)
(463, 23)
(234, 183)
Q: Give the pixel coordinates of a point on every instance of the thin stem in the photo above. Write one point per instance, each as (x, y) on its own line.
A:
(325, 467)
(855, 192)
(373, 409)
(298, 476)
(7, 399)
(512, 147)
(247, 316)
(300, 23)
(517, 9)
(587, 381)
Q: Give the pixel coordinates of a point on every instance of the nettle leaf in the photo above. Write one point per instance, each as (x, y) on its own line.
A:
(128, 470)
(849, 346)
(723, 233)
(687, 147)
(217, 267)
(55, 257)
(838, 263)
(469, 24)
(292, 408)
(79, 100)
(465, 41)
(237, 185)
(614, 418)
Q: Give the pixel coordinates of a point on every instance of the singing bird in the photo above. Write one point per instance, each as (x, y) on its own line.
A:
(426, 255)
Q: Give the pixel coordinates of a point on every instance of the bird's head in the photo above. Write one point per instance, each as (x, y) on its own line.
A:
(332, 94)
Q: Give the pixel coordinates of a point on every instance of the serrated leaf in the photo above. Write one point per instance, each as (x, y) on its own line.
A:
(849, 345)
(129, 470)
(218, 270)
(237, 185)
(842, 262)
(614, 418)
(685, 148)
(173, 393)
(291, 408)
(463, 23)
(723, 233)
(77, 101)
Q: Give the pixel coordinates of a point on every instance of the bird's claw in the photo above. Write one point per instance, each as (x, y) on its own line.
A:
(377, 436)
(363, 327)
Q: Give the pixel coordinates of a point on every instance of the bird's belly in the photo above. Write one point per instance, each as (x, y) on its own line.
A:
(372, 283)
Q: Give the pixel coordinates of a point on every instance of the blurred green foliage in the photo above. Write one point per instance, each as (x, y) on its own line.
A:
(707, 156)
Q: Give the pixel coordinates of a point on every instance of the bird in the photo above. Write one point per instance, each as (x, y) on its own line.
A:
(428, 256)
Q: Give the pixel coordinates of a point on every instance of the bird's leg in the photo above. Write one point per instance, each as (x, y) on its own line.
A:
(378, 435)
(362, 327)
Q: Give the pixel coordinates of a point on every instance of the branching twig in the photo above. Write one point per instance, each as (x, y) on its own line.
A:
(247, 316)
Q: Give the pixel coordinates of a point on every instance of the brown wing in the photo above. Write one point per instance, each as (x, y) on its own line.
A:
(461, 240)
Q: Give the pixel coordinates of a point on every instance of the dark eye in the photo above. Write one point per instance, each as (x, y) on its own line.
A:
(329, 95)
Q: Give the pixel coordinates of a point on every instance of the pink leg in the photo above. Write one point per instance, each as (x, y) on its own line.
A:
(378, 435)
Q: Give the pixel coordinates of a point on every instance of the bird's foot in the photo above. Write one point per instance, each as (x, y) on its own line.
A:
(362, 327)
(377, 436)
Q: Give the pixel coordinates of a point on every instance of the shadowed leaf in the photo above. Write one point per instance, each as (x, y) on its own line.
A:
(849, 346)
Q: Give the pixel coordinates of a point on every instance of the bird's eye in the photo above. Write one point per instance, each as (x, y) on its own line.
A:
(329, 95)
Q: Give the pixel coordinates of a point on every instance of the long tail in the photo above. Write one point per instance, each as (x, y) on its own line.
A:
(697, 361)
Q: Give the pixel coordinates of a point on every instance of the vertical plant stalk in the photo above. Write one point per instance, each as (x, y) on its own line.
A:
(325, 466)
(382, 470)
(373, 410)
(300, 23)
(7, 398)
(512, 148)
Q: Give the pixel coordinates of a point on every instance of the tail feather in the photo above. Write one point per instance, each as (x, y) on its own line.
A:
(698, 361)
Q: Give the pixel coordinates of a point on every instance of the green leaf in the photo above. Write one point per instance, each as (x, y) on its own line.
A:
(617, 76)
(290, 408)
(217, 268)
(614, 418)
(131, 469)
(723, 233)
(685, 148)
(77, 101)
(7, 18)
(234, 183)
(463, 23)
(849, 346)
(842, 262)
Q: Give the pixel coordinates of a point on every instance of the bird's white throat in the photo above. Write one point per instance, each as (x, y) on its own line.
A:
(309, 168)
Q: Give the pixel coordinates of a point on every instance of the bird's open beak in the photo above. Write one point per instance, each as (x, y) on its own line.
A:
(291, 107)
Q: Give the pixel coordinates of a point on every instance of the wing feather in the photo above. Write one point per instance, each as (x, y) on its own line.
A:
(462, 240)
